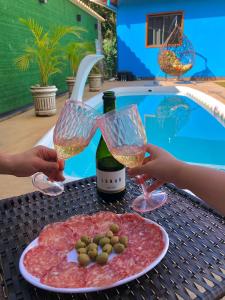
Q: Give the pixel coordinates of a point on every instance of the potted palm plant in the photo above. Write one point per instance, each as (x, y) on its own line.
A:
(95, 79)
(75, 51)
(46, 52)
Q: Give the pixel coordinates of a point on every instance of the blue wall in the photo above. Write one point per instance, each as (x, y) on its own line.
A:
(204, 25)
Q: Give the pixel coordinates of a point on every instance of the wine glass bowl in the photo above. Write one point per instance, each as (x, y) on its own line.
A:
(73, 131)
(125, 137)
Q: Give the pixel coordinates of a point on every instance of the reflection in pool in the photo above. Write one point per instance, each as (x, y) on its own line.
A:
(175, 123)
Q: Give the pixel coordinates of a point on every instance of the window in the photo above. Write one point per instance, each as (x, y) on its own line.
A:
(159, 27)
(78, 18)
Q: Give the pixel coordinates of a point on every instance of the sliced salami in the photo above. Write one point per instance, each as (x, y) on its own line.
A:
(129, 222)
(65, 275)
(102, 276)
(134, 260)
(104, 219)
(39, 260)
(145, 241)
(82, 225)
(127, 264)
(57, 236)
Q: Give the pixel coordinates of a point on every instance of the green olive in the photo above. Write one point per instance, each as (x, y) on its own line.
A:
(97, 238)
(82, 250)
(83, 259)
(109, 234)
(114, 240)
(80, 244)
(107, 248)
(104, 241)
(85, 239)
(93, 254)
(102, 258)
(118, 248)
(114, 228)
(123, 240)
(92, 246)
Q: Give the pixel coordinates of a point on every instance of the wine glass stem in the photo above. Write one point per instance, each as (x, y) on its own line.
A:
(144, 189)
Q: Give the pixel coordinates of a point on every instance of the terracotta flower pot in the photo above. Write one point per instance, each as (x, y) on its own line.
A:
(95, 82)
(70, 83)
(44, 100)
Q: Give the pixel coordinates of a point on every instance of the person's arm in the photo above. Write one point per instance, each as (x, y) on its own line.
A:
(206, 183)
(5, 164)
(37, 159)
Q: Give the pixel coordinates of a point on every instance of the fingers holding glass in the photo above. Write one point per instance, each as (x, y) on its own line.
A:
(73, 131)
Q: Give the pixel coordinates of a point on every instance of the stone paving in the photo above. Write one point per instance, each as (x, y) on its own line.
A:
(24, 130)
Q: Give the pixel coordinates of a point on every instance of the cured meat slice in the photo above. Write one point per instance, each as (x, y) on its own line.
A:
(104, 219)
(39, 260)
(82, 225)
(134, 261)
(127, 264)
(145, 241)
(65, 275)
(57, 236)
(92, 225)
(102, 276)
(138, 228)
(145, 236)
(129, 222)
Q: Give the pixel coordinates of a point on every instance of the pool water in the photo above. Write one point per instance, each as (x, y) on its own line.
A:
(173, 122)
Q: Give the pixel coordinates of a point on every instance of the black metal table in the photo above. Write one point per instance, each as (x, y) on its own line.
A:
(193, 268)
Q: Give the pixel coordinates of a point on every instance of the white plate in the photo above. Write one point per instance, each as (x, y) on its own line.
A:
(36, 282)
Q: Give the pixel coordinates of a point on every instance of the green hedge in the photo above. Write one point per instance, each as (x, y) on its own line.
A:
(14, 84)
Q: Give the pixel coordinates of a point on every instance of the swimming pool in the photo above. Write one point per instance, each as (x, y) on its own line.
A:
(172, 121)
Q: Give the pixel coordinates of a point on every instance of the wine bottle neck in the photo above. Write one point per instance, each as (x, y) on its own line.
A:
(108, 104)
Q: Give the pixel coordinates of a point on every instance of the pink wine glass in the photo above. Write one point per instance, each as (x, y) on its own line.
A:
(125, 137)
(73, 131)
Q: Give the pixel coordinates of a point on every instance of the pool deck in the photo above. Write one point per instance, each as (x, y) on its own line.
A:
(23, 131)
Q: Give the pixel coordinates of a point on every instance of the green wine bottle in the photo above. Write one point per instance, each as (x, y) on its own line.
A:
(111, 181)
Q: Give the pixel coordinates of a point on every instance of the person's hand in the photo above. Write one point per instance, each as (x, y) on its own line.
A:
(37, 159)
(160, 165)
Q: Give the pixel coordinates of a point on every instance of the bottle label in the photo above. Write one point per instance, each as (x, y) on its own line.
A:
(111, 182)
